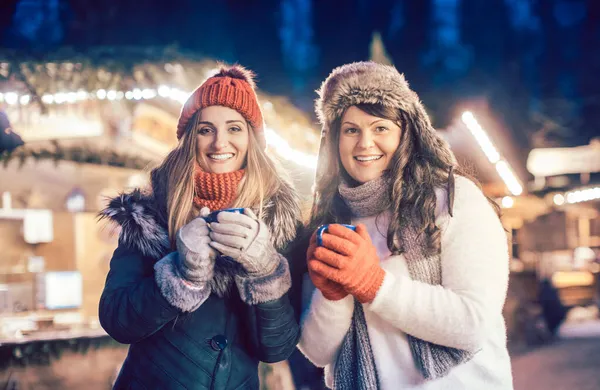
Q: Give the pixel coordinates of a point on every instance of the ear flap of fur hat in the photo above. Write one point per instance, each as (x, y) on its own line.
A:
(373, 83)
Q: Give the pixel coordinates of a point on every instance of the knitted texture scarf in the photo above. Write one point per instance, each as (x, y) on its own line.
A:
(216, 190)
(355, 365)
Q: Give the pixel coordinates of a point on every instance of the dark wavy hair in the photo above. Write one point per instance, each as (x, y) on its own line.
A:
(418, 167)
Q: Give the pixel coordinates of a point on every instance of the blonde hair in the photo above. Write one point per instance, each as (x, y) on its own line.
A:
(174, 188)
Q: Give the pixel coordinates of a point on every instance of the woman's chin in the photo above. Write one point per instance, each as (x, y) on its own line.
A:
(221, 167)
(364, 177)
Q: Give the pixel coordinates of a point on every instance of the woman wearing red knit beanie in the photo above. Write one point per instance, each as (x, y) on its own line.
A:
(412, 299)
(200, 298)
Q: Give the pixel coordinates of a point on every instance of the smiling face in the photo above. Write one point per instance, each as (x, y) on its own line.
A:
(222, 140)
(367, 144)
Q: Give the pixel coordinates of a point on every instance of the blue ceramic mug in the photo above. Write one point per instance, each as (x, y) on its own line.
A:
(212, 217)
(324, 228)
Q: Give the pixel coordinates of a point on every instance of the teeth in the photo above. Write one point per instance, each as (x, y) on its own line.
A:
(223, 156)
(369, 158)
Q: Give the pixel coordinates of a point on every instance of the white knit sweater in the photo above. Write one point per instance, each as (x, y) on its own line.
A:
(464, 312)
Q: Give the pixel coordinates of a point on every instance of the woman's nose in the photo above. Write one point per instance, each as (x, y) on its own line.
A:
(221, 140)
(366, 140)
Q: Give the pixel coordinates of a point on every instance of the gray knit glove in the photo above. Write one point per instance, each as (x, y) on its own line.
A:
(196, 257)
(245, 239)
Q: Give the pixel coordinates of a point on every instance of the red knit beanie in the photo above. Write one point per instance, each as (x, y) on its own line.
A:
(231, 87)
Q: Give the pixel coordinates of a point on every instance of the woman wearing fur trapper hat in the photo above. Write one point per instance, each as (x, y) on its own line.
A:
(413, 297)
(203, 298)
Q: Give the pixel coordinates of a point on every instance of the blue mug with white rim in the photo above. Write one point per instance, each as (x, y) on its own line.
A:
(212, 217)
(325, 228)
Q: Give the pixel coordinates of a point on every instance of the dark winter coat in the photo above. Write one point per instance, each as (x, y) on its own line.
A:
(217, 346)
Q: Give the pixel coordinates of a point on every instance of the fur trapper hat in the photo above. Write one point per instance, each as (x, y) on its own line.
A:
(365, 83)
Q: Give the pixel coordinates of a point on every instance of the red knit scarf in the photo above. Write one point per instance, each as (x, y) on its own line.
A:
(216, 190)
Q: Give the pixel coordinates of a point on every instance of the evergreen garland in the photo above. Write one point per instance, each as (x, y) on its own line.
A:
(83, 154)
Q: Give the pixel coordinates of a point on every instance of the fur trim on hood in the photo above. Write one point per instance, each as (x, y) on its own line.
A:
(135, 213)
(138, 217)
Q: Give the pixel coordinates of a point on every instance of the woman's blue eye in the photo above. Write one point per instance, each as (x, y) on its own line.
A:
(350, 130)
(235, 128)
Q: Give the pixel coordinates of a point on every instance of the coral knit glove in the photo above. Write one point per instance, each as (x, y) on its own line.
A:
(331, 290)
(350, 259)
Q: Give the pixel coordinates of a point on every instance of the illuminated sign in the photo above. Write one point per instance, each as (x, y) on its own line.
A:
(560, 161)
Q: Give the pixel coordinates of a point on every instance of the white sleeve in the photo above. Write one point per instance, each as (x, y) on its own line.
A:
(324, 327)
(475, 272)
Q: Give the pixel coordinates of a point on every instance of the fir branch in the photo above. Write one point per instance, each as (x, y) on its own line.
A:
(78, 154)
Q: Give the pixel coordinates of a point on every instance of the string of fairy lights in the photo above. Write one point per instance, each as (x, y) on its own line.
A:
(71, 97)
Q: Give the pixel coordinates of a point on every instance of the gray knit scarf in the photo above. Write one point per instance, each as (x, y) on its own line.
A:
(355, 365)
